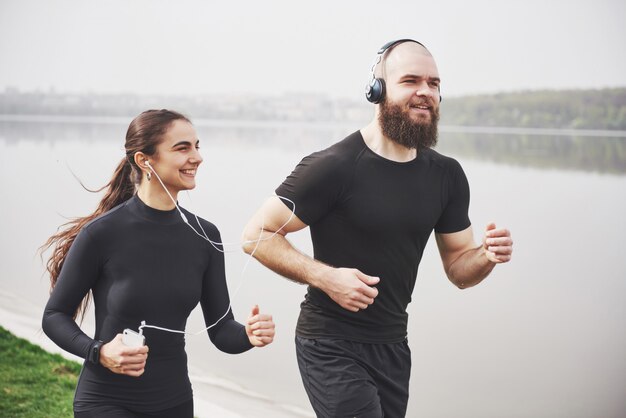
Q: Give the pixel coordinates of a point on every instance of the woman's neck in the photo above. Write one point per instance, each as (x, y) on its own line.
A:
(155, 196)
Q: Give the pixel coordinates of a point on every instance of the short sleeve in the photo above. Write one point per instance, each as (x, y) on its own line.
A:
(454, 217)
(314, 186)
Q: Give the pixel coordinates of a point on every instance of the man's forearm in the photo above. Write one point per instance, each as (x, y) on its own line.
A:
(276, 253)
(348, 287)
(470, 268)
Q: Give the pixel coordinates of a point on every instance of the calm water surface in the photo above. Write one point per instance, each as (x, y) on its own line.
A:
(544, 336)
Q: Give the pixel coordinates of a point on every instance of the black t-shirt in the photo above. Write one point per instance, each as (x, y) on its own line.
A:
(141, 264)
(376, 215)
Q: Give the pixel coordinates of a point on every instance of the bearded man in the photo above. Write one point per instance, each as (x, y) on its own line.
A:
(371, 202)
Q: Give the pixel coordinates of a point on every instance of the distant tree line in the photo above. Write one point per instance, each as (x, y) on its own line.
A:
(565, 109)
(303, 107)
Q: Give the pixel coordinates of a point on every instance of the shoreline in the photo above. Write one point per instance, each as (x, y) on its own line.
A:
(281, 123)
(213, 397)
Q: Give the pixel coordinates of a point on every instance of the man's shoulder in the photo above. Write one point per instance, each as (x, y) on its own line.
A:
(439, 159)
(341, 152)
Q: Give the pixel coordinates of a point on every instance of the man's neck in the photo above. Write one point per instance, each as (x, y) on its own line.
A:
(384, 146)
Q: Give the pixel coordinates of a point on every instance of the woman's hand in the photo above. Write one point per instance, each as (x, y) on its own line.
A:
(260, 328)
(121, 359)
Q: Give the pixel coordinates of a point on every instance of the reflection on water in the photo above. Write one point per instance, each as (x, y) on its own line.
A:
(549, 151)
(603, 155)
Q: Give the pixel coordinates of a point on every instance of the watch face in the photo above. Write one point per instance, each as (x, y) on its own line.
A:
(94, 356)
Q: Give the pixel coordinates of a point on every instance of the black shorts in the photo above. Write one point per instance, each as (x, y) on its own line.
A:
(184, 410)
(351, 379)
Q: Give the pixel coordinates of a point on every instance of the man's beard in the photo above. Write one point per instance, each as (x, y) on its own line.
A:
(397, 125)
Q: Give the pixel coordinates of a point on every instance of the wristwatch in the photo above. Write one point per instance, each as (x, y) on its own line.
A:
(94, 353)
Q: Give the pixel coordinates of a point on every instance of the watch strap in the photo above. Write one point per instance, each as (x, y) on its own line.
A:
(94, 352)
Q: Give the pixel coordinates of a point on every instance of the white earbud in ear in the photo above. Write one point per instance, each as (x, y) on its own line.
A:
(147, 162)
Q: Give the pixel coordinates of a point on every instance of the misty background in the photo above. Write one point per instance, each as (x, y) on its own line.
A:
(281, 46)
(269, 82)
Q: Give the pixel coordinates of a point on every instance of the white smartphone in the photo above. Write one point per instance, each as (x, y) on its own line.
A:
(132, 338)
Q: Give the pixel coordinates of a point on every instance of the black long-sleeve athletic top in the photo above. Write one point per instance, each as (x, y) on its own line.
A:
(141, 264)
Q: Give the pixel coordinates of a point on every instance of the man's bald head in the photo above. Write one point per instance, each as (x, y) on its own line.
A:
(398, 54)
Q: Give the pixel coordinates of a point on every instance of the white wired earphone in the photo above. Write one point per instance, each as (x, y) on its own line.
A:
(204, 236)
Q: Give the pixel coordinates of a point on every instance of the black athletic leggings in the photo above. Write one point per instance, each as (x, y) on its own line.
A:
(184, 410)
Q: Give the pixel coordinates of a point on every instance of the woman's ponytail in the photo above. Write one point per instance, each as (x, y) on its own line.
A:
(119, 189)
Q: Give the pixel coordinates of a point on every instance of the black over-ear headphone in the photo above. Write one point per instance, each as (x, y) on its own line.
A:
(375, 89)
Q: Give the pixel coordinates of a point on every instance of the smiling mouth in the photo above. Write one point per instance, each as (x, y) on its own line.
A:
(191, 172)
(420, 107)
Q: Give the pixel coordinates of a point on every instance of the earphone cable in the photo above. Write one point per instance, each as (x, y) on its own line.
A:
(215, 245)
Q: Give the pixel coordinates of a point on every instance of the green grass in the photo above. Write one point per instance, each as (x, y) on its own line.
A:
(33, 382)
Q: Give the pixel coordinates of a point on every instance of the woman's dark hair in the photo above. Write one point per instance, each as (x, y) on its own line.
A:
(144, 133)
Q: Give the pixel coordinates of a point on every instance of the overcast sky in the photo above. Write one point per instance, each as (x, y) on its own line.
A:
(291, 46)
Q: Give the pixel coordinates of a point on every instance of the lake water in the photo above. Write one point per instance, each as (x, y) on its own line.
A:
(543, 336)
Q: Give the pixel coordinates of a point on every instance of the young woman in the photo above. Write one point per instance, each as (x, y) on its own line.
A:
(140, 260)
